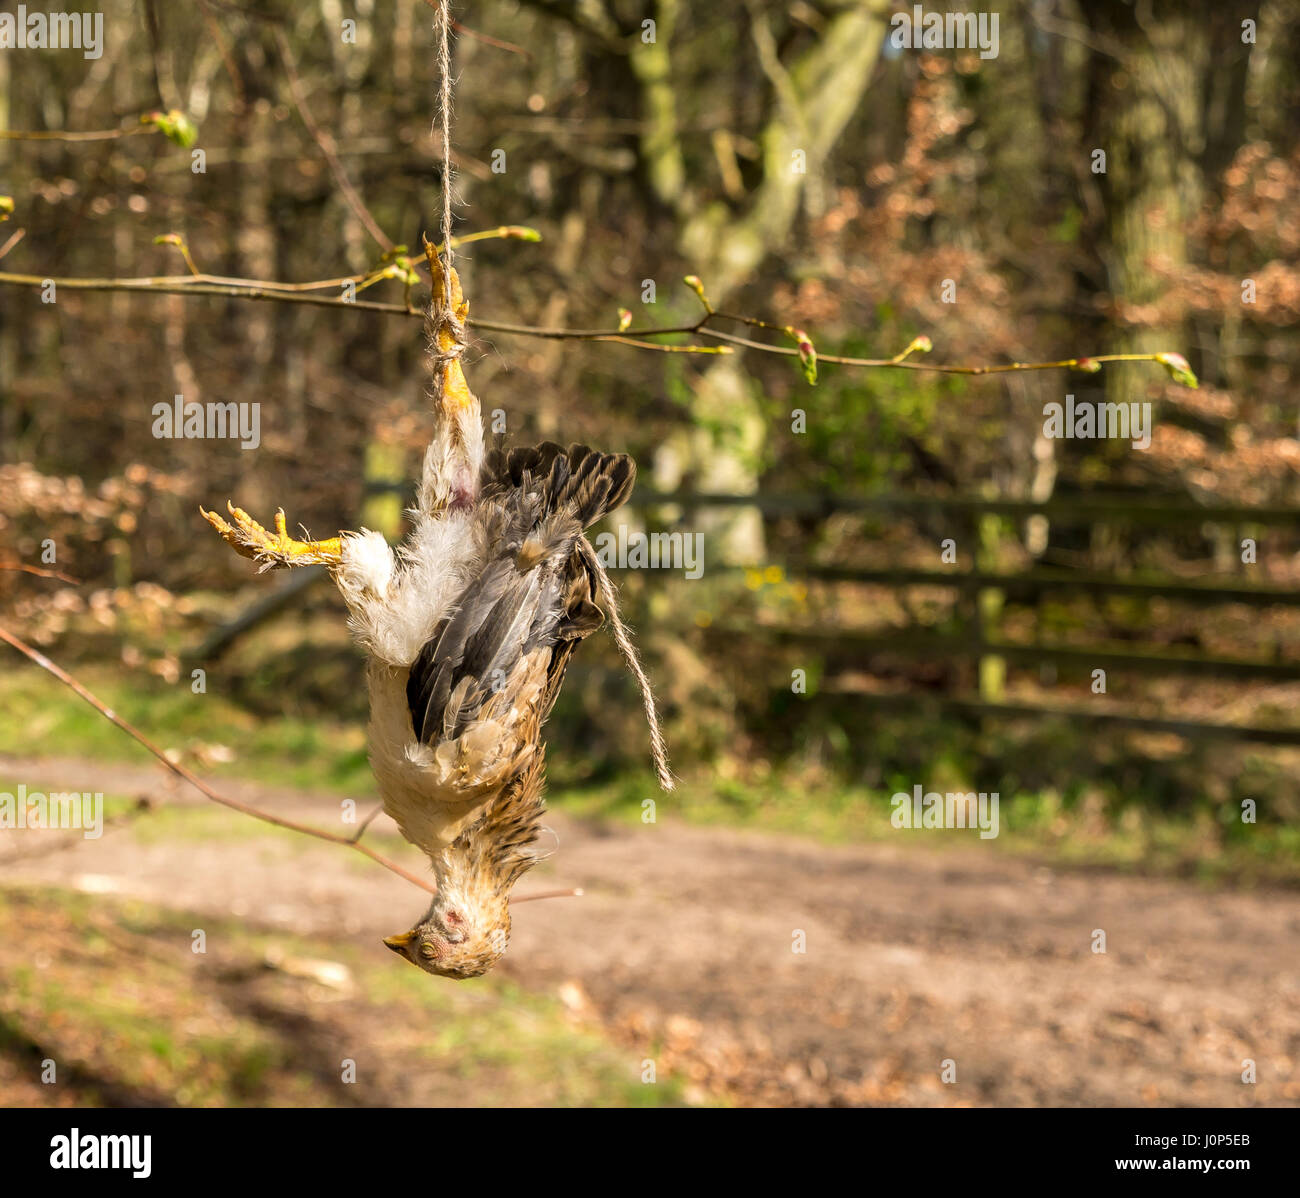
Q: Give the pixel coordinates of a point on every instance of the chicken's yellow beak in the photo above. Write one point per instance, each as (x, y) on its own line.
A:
(399, 944)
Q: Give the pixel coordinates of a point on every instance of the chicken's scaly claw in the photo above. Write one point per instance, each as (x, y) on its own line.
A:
(273, 550)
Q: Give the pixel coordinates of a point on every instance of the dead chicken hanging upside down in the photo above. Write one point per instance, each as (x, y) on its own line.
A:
(468, 628)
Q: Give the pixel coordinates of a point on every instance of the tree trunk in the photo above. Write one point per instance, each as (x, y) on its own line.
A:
(815, 98)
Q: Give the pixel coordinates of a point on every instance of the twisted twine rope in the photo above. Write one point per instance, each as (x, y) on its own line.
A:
(442, 316)
(623, 639)
(444, 117)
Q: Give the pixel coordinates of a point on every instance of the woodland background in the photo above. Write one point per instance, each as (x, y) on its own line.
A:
(648, 161)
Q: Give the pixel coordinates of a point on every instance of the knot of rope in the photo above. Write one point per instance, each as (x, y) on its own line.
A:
(448, 339)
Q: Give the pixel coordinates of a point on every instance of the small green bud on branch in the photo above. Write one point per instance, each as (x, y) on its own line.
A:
(694, 283)
(179, 242)
(918, 345)
(1178, 369)
(807, 355)
(173, 125)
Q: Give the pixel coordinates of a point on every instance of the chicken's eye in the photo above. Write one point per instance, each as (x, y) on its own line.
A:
(427, 950)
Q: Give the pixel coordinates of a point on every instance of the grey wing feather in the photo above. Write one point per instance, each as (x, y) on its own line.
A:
(533, 590)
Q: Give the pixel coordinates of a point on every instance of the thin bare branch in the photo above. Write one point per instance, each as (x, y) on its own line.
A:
(65, 135)
(328, 147)
(487, 39)
(40, 572)
(193, 779)
(576, 892)
(635, 337)
(352, 842)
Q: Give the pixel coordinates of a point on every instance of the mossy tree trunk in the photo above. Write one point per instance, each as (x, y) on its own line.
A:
(1147, 86)
(813, 99)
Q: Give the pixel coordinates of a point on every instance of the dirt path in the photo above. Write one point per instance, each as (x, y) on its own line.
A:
(681, 951)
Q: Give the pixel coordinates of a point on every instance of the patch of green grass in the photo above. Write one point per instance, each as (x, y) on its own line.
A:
(1038, 825)
(38, 713)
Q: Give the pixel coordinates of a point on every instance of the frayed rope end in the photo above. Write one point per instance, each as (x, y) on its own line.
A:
(623, 639)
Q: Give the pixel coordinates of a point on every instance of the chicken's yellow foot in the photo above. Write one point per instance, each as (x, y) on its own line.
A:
(455, 392)
(274, 550)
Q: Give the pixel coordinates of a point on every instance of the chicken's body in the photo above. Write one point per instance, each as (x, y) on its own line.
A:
(468, 627)
(458, 692)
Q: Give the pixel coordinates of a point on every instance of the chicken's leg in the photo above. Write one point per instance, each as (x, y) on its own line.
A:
(273, 550)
